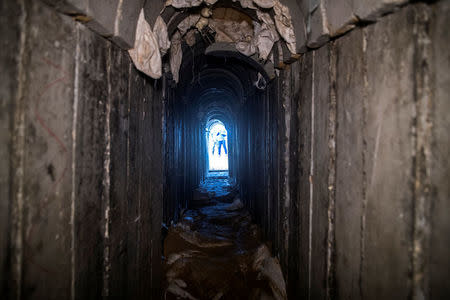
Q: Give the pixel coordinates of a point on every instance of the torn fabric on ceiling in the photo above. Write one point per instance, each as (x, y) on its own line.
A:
(266, 35)
(264, 3)
(160, 30)
(184, 3)
(145, 54)
(176, 56)
(187, 23)
(283, 22)
(246, 3)
(231, 31)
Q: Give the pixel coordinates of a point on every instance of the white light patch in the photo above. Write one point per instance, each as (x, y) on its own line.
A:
(217, 140)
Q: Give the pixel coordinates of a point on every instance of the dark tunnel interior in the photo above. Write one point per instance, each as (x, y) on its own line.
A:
(224, 149)
(214, 85)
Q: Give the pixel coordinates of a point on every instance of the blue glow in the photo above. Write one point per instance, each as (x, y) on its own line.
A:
(217, 140)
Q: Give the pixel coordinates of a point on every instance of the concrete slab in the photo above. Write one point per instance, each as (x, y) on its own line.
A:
(113, 19)
(321, 160)
(350, 72)
(70, 7)
(299, 18)
(340, 16)
(371, 10)
(125, 23)
(134, 219)
(9, 81)
(89, 213)
(304, 165)
(439, 262)
(318, 32)
(119, 126)
(152, 9)
(389, 158)
(48, 97)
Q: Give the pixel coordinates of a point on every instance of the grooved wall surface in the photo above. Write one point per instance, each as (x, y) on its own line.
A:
(343, 160)
(84, 135)
(367, 160)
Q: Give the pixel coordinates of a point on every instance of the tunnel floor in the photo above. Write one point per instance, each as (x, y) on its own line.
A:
(216, 252)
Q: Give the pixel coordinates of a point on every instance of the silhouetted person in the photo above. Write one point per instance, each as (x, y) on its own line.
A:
(220, 141)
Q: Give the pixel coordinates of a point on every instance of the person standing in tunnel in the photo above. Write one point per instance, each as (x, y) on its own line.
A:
(220, 141)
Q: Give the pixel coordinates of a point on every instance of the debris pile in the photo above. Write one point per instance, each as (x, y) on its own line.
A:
(248, 36)
(215, 252)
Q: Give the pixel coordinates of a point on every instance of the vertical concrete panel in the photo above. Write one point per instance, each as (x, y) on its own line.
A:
(272, 194)
(349, 162)
(134, 166)
(89, 225)
(48, 97)
(125, 22)
(304, 166)
(156, 189)
(371, 10)
(439, 268)
(390, 112)
(119, 123)
(10, 33)
(145, 168)
(340, 16)
(320, 201)
(284, 135)
(147, 198)
(292, 268)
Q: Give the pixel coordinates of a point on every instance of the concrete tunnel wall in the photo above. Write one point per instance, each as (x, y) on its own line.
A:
(338, 161)
(82, 171)
(351, 187)
(342, 160)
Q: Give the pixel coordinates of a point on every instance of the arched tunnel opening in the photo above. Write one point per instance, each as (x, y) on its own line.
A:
(223, 95)
(216, 146)
(224, 149)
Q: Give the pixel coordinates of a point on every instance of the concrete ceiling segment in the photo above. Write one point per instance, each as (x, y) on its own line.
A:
(152, 9)
(299, 18)
(218, 98)
(200, 72)
(212, 122)
(218, 112)
(209, 108)
(371, 10)
(113, 19)
(217, 81)
(229, 50)
(318, 29)
(173, 17)
(330, 18)
(214, 104)
(340, 15)
(126, 22)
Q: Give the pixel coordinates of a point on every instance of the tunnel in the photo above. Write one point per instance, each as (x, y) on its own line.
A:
(224, 149)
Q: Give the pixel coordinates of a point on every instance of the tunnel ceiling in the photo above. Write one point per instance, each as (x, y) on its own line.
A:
(257, 33)
(223, 52)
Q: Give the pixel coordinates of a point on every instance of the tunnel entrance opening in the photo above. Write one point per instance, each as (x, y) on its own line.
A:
(217, 147)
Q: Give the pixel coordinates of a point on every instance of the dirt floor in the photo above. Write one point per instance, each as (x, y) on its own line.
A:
(215, 252)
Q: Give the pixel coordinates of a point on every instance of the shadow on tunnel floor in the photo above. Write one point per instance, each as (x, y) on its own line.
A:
(216, 252)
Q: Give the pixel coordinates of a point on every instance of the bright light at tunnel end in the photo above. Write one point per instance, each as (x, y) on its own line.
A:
(217, 142)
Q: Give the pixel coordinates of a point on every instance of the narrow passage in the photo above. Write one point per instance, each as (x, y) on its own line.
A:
(216, 252)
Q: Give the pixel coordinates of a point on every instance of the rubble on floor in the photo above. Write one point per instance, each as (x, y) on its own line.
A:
(216, 252)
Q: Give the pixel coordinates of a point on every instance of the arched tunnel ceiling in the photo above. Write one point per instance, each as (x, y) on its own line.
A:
(216, 103)
(255, 31)
(312, 25)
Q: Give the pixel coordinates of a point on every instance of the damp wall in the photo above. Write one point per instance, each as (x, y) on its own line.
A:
(354, 181)
(81, 176)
